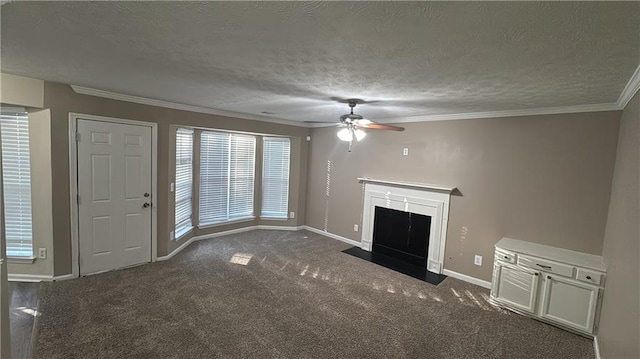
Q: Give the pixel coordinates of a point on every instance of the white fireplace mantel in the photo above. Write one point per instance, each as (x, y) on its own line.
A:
(425, 199)
(425, 186)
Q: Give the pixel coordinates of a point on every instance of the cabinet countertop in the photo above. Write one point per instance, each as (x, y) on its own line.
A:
(590, 261)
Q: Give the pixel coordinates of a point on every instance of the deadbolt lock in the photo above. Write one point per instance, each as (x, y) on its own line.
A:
(146, 194)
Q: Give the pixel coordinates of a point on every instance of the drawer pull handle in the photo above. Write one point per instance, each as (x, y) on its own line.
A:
(545, 267)
(548, 277)
(588, 277)
(506, 257)
(536, 274)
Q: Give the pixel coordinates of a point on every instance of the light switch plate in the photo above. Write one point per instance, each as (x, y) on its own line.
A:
(355, 227)
(292, 214)
(477, 260)
(405, 152)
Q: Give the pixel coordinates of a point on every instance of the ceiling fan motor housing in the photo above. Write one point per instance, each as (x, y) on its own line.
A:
(350, 117)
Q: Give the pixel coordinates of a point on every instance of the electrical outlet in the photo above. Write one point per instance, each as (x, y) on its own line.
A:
(42, 253)
(477, 260)
(172, 235)
(355, 227)
(405, 152)
(292, 214)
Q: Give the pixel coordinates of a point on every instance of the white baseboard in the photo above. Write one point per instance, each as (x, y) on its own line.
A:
(246, 229)
(466, 278)
(225, 233)
(333, 236)
(280, 228)
(64, 277)
(33, 278)
(596, 347)
(177, 250)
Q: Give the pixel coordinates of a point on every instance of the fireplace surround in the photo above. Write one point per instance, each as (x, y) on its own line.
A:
(422, 199)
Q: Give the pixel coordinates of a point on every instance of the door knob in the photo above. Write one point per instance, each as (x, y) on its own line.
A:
(145, 205)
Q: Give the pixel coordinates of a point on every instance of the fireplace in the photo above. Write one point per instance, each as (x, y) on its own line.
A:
(401, 235)
(407, 221)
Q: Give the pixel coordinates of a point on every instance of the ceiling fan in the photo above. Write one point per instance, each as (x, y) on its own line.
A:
(352, 124)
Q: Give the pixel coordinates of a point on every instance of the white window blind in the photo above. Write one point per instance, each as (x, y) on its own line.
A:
(184, 181)
(227, 175)
(16, 176)
(275, 177)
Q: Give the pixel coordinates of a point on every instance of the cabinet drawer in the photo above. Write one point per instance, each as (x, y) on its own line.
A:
(590, 276)
(546, 266)
(504, 256)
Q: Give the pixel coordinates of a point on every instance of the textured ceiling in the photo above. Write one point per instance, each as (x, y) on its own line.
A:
(293, 58)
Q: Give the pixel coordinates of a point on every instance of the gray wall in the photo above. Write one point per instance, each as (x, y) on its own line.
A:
(544, 179)
(61, 100)
(619, 331)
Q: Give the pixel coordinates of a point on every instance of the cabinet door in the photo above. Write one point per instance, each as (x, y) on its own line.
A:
(569, 302)
(515, 286)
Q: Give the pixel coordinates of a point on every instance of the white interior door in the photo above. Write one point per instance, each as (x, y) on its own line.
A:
(114, 187)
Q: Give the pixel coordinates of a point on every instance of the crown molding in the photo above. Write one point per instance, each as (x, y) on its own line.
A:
(495, 114)
(178, 106)
(630, 90)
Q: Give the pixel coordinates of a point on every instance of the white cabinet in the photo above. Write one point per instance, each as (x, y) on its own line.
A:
(570, 303)
(554, 285)
(516, 286)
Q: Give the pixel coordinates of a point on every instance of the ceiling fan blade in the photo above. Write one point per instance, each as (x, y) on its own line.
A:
(327, 122)
(378, 126)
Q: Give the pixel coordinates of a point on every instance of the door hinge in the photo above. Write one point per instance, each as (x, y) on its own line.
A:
(78, 199)
(77, 136)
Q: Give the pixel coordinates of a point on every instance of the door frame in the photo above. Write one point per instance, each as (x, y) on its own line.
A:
(73, 182)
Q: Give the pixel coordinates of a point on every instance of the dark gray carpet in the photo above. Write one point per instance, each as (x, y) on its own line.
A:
(271, 294)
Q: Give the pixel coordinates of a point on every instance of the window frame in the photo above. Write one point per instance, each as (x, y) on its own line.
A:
(183, 230)
(22, 121)
(272, 215)
(227, 156)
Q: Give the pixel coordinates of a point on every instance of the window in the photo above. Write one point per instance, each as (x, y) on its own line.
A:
(184, 181)
(227, 172)
(16, 176)
(275, 177)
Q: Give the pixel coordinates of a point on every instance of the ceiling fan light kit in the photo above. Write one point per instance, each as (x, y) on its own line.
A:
(352, 123)
(347, 134)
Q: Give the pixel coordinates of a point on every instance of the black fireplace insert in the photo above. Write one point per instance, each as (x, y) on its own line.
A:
(401, 235)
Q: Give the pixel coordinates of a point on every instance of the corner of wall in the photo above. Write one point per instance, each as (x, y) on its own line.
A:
(21, 91)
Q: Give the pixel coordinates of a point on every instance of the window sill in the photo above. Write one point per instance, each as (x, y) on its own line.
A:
(21, 260)
(181, 234)
(267, 218)
(233, 221)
